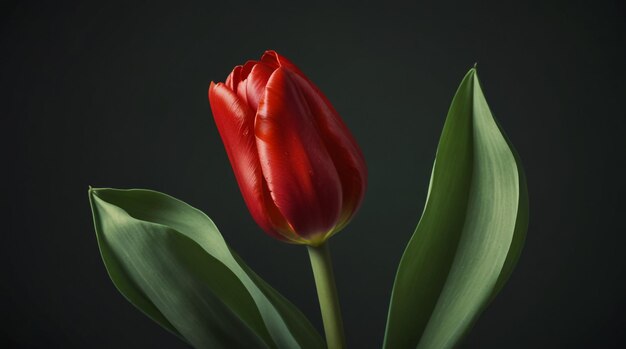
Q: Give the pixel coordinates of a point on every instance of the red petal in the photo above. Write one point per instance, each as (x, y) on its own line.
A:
(342, 147)
(242, 87)
(247, 68)
(270, 58)
(235, 122)
(234, 78)
(255, 87)
(300, 174)
(274, 60)
(241, 90)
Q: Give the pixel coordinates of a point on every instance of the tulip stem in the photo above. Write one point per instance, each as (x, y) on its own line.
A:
(327, 294)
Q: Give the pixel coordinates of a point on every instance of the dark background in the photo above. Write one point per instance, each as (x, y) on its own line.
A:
(114, 95)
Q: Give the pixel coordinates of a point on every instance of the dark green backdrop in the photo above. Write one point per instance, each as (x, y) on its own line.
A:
(115, 95)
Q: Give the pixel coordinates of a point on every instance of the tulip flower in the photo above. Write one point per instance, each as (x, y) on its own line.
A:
(300, 171)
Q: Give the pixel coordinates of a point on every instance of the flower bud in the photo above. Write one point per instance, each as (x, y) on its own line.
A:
(300, 171)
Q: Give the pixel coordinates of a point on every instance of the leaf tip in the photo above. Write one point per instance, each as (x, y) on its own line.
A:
(93, 191)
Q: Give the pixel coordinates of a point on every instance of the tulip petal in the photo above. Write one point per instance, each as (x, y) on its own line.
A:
(340, 143)
(299, 172)
(241, 91)
(242, 87)
(274, 60)
(235, 122)
(247, 68)
(270, 57)
(341, 146)
(234, 78)
(256, 81)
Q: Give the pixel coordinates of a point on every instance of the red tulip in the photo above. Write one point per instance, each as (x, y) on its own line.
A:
(300, 171)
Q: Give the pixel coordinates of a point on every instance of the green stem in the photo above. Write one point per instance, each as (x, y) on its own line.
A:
(327, 294)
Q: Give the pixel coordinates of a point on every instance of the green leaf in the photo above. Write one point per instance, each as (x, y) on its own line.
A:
(470, 234)
(170, 261)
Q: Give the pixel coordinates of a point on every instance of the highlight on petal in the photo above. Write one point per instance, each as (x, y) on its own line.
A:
(256, 81)
(235, 123)
(299, 171)
(241, 90)
(242, 87)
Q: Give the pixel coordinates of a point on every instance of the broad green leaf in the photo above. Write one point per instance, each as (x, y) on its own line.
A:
(170, 261)
(470, 234)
